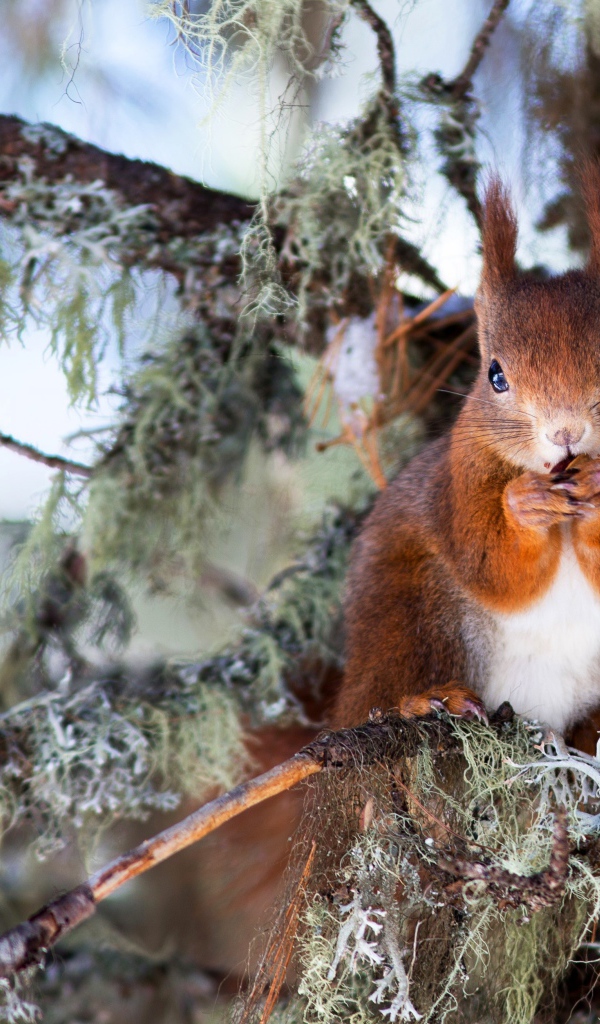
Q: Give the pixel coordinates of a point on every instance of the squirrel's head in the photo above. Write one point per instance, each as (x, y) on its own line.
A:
(538, 390)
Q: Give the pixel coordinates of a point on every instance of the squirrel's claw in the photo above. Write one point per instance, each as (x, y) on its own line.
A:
(455, 699)
(580, 485)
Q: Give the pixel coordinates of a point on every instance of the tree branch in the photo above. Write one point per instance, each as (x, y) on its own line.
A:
(387, 97)
(179, 207)
(385, 44)
(53, 461)
(182, 207)
(383, 737)
(25, 944)
(461, 85)
(455, 136)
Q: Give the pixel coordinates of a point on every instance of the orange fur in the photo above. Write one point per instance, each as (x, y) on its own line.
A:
(499, 235)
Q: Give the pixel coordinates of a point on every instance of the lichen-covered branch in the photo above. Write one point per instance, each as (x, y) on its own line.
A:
(385, 738)
(371, 883)
(383, 925)
(179, 207)
(22, 946)
(86, 223)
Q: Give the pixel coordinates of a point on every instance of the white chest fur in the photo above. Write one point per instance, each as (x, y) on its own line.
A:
(546, 659)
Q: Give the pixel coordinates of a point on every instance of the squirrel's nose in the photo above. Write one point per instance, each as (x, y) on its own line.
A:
(565, 437)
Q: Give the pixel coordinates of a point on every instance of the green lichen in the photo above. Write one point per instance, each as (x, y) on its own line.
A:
(233, 38)
(190, 417)
(40, 551)
(102, 745)
(63, 267)
(381, 933)
(344, 204)
(294, 637)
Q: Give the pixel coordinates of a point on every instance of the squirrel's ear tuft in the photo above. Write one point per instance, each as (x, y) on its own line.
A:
(499, 234)
(589, 176)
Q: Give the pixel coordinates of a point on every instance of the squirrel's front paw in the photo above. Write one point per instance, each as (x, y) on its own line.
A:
(537, 500)
(580, 483)
(452, 697)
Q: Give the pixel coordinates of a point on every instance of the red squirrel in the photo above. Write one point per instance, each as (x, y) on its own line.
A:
(476, 578)
(479, 566)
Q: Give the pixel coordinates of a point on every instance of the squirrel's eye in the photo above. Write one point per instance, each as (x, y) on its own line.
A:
(497, 378)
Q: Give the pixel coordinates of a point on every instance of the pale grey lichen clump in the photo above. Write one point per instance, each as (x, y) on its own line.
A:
(17, 1007)
(100, 746)
(369, 937)
(77, 762)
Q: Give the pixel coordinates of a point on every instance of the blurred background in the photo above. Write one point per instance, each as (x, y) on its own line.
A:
(114, 74)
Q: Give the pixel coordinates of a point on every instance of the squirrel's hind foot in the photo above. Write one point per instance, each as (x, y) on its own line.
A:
(452, 697)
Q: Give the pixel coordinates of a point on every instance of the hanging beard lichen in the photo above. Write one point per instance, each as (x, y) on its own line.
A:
(442, 885)
(235, 37)
(343, 206)
(190, 417)
(60, 269)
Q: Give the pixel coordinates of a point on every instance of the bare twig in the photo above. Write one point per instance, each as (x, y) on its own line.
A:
(411, 259)
(385, 44)
(237, 590)
(387, 60)
(455, 135)
(53, 461)
(22, 946)
(200, 823)
(407, 325)
(461, 85)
